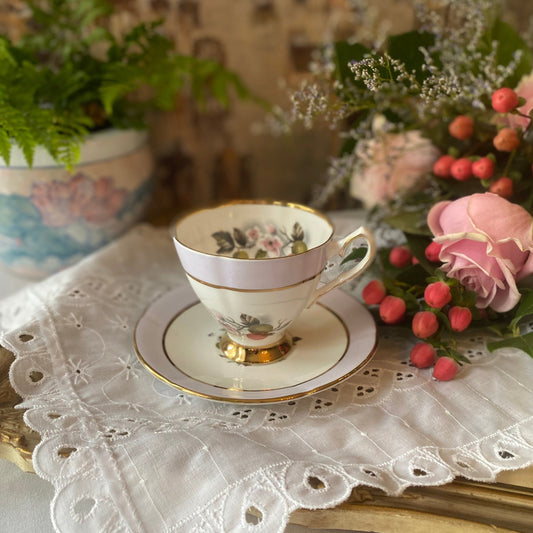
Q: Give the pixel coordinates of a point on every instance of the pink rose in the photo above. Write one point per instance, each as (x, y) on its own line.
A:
(389, 164)
(486, 244)
(525, 90)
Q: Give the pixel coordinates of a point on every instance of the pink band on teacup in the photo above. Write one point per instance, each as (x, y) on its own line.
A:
(273, 273)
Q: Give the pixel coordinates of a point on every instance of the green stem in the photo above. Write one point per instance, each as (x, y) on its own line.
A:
(509, 161)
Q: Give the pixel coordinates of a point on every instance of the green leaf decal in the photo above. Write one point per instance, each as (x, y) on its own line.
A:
(248, 320)
(355, 254)
(297, 232)
(224, 242)
(239, 236)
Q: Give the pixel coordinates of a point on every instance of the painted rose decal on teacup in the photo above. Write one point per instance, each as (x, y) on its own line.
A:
(259, 242)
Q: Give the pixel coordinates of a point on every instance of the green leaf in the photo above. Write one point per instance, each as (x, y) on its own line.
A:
(413, 222)
(524, 343)
(524, 308)
(418, 244)
(345, 53)
(406, 48)
(509, 41)
(414, 275)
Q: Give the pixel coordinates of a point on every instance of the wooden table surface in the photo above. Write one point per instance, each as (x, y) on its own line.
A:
(462, 506)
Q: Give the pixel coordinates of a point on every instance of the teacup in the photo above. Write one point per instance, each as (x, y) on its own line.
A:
(256, 265)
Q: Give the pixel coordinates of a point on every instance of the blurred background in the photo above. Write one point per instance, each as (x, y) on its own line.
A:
(220, 153)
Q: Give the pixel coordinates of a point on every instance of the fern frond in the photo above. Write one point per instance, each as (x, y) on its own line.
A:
(5, 146)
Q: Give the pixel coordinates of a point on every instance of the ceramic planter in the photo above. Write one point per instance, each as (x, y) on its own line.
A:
(50, 218)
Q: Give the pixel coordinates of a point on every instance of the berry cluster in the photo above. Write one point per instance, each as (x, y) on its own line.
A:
(435, 310)
(464, 162)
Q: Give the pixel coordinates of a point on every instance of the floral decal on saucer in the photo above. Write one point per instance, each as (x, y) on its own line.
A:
(249, 326)
(260, 242)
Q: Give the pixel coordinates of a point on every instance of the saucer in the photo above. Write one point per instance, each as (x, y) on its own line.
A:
(176, 340)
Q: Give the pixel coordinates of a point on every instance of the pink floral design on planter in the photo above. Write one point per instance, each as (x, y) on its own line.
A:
(61, 203)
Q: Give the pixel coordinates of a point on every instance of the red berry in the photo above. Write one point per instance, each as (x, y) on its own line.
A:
(502, 187)
(414, 260)
(400, 256)
(442, 166)
(461, 170)
(506, 140)
(392, 309)
(504, 100)
(424, 324)
(437, 294)
(445, 369)
(374, 292)
(483, 168)
(461, 127)
(432, 251)
(460, 318)
(423, 355)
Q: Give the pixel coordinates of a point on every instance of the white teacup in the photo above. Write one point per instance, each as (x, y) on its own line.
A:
(257, 265)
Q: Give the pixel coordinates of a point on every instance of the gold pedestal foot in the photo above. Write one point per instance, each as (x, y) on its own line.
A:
(248, 355)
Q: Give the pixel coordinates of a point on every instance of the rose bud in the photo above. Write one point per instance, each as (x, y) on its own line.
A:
(502, 187)
(445, 369)
(432, 251)
(392, 309)
(400, 256)
(437, 294)
(441, 167)
(504, 100)
(483, 168)
(423, 355)
(460, 318)
(374, 292)
(424, 324)
(506, 140)
(461, 170)
(461, 127)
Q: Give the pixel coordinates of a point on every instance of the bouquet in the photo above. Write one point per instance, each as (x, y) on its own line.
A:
(438, 144)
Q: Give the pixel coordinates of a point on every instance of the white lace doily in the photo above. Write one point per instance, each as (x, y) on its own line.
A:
(125, 452)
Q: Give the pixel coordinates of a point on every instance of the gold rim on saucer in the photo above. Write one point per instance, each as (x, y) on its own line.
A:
(175, 339)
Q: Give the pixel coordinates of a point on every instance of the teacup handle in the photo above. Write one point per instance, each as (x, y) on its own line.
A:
(339, 247)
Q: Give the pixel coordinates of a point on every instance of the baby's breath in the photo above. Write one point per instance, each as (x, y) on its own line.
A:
(460, 67)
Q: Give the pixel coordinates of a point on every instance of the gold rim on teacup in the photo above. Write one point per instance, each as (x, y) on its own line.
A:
(280, 203)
